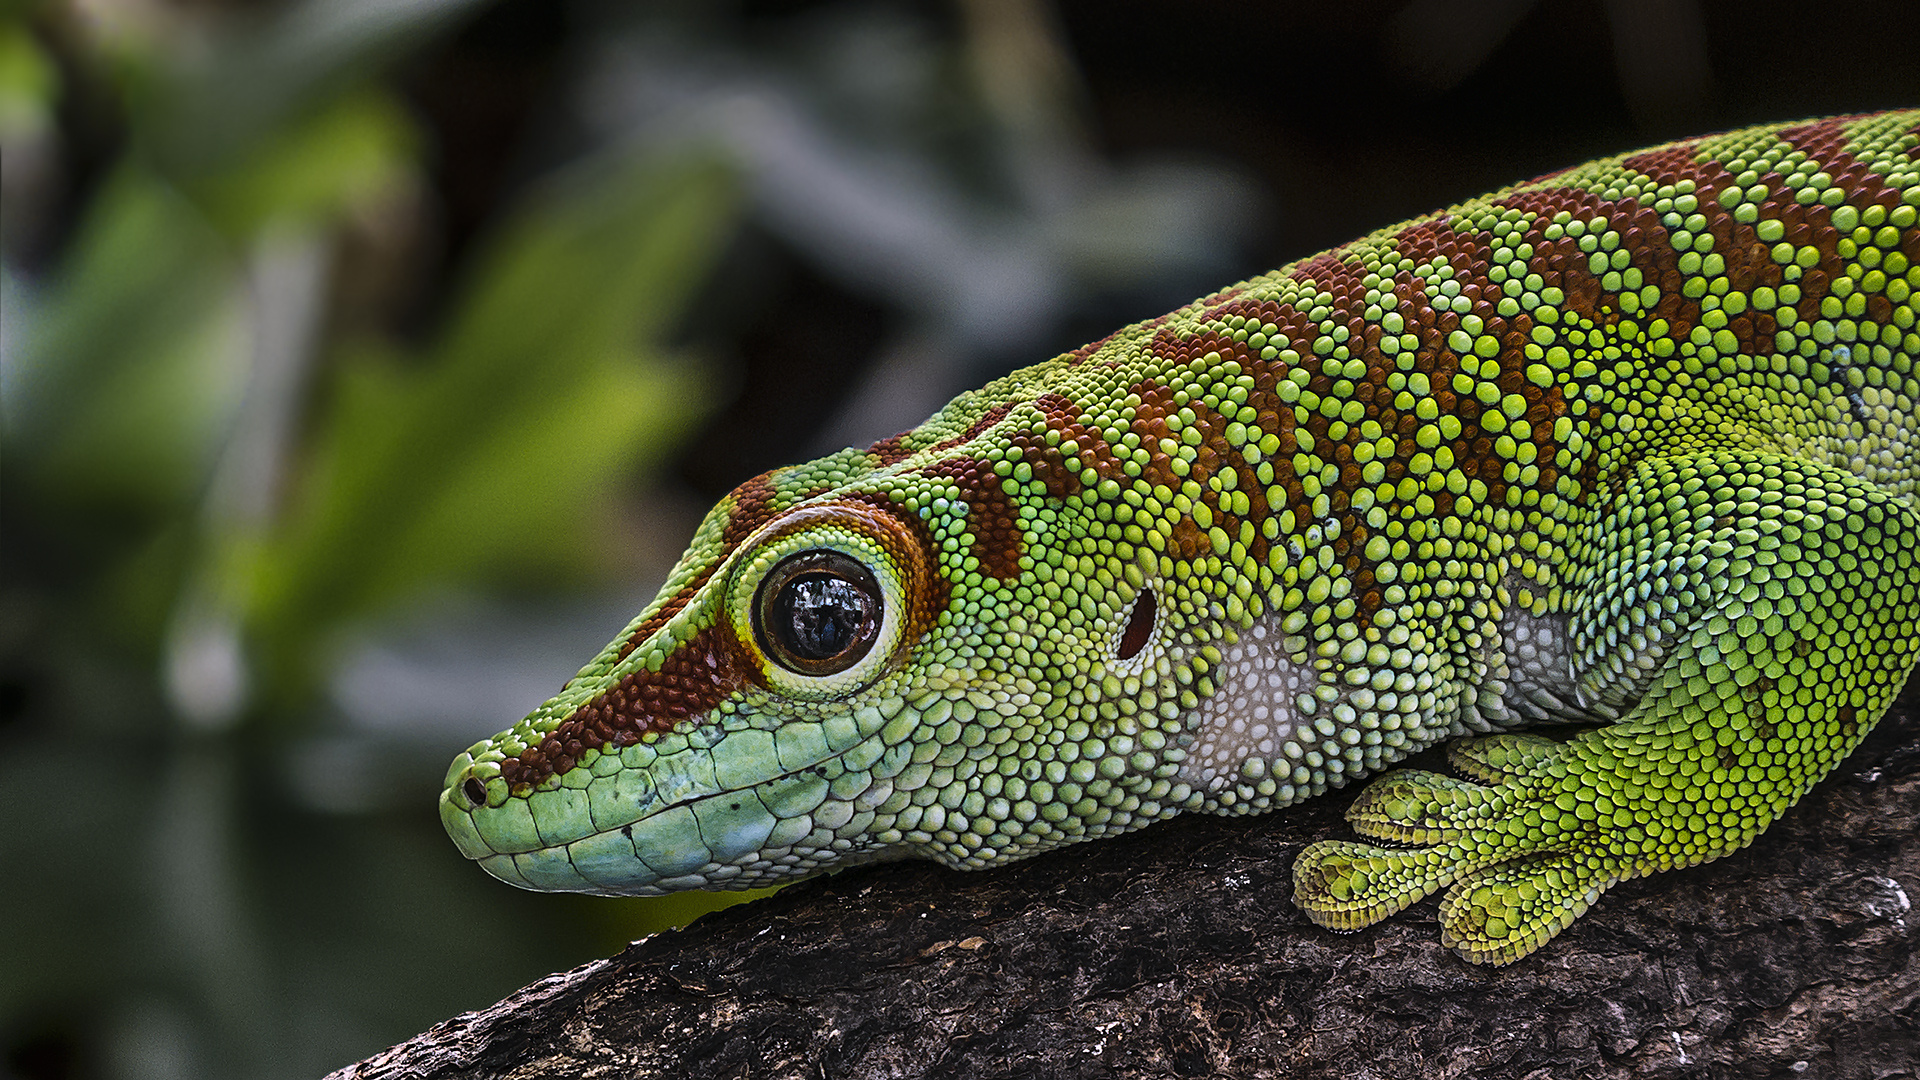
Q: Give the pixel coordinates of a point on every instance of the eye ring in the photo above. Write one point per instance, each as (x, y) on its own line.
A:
(818, 612)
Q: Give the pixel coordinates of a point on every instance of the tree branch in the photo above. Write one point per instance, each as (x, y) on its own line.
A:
(1177, 952)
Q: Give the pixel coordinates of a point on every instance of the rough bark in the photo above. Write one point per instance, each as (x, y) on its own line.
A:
(1176, 952)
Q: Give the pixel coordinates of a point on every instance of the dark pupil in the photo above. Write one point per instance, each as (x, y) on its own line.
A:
(821, 615)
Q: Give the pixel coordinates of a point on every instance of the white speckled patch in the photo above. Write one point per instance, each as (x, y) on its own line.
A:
(1252, 710)
(1277, 730)
(1532, 682)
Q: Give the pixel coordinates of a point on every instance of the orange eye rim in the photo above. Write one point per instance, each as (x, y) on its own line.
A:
(894, 550)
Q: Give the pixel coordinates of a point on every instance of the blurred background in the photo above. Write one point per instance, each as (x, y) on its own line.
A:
(365, 364)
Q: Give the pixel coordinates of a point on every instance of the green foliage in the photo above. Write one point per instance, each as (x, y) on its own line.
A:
(501, 452)
(138, 383)
(28, 80)
(132, 372)
(214, 466)
(349, 153)
(138, 361)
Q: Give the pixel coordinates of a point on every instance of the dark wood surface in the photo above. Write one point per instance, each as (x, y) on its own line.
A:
(1176, 951)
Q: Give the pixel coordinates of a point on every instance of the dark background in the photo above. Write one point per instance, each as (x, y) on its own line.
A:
(365, 367)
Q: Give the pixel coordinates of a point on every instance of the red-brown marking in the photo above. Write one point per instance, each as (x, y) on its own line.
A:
(695, 677)
(753, 504)
(976, 429)
(1079, 356)
(897, 448)
(891, 450)
(1824, 143)
(705, 669)
(997, 540)
(1049, 462)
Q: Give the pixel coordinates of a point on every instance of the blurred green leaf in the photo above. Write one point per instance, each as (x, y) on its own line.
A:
(28, 82)
(257, 79)
(133, 362)
(358, 148)
(501, 455)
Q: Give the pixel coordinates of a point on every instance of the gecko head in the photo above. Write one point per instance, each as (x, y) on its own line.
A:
(716, 742)
(924, 649)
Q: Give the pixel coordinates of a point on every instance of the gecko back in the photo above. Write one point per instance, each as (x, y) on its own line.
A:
(1633, 447)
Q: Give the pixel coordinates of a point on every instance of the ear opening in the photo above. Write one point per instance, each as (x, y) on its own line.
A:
(1139, 629)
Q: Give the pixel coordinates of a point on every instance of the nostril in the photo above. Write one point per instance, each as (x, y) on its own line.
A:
(476, 791)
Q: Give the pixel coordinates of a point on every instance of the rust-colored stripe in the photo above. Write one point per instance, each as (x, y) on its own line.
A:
(751, 505)
(712, 665)
(991, 518)
(695, 677)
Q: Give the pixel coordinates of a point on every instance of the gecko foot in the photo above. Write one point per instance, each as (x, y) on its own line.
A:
(1519, 861)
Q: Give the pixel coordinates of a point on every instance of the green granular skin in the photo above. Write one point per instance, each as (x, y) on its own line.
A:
(1633, 448)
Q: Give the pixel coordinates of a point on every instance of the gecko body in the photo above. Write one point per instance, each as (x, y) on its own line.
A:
(1629, 454)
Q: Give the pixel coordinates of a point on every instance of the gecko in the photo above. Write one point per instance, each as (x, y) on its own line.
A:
(1609, 480)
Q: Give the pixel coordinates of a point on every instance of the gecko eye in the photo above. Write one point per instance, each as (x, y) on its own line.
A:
(817, 613)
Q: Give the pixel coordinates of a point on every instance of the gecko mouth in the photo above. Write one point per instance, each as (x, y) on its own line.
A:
(695, 817)
(697, 841)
